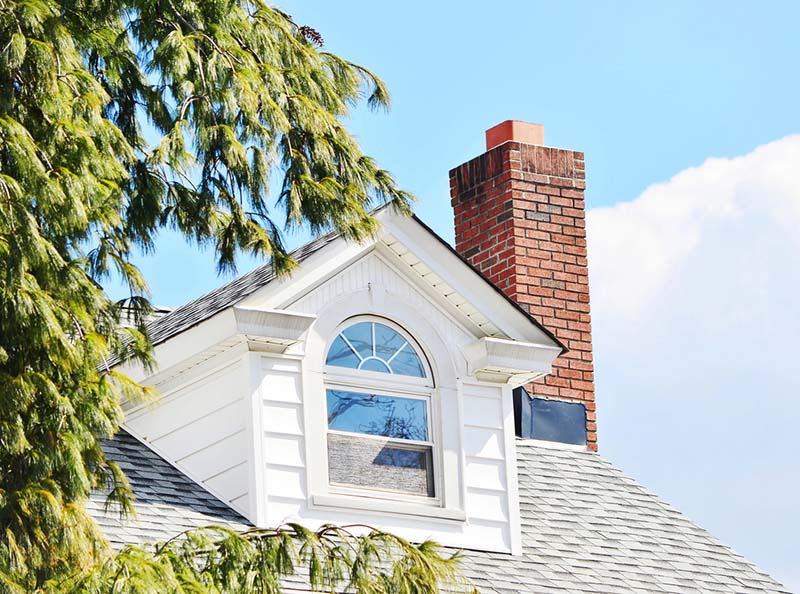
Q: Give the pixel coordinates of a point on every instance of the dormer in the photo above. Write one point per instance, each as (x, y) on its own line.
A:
(374, 386)
(377, 385)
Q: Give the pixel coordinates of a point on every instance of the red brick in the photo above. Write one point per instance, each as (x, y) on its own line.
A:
(540, 263)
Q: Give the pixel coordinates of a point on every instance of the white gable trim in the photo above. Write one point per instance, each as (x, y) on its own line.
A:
(456, 285)
(266, 330)
(476, 291)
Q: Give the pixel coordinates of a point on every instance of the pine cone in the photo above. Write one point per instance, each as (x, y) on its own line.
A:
(312, 35)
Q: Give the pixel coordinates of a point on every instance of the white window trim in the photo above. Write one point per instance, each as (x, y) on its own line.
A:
(377, 300)
(362, 381)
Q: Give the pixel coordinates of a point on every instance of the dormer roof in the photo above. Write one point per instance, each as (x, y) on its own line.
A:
(206, 306)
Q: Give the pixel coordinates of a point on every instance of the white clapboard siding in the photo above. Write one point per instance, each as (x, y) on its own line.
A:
(200, 427)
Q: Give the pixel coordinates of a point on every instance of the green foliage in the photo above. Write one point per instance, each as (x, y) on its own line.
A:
(215, 559)
(241, 100)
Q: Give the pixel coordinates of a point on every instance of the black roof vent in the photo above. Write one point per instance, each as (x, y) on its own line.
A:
(550, 420)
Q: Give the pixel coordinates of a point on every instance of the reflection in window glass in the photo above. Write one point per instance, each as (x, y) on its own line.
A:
(359, 337)
(374, 414)
(375, 347)
(341, 355)
(380, 464)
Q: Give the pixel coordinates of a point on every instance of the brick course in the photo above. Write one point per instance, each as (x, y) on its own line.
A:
(520, 219)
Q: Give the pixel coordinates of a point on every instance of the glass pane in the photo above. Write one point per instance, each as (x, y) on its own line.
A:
(374, 414)
(406, 362)
(360, 336)
(375, 364)
(387, 341)
(375, 347)
(380, 464)
(341, 355)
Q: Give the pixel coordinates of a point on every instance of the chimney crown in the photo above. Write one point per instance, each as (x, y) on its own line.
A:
(524, 132)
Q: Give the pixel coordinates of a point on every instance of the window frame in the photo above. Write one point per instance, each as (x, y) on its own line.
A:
(363, 381)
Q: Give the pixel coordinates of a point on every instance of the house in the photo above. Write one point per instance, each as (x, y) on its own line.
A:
(433, 392)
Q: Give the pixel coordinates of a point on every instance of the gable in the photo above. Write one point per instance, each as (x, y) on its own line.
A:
(374, 273)
(415, 250)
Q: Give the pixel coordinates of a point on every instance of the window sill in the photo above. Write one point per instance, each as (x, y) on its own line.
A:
(371, 505)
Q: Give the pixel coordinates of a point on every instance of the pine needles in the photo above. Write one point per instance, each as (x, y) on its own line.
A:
(240, 100)
(217, 559)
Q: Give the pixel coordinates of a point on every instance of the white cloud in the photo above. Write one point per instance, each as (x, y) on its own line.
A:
(696, 314)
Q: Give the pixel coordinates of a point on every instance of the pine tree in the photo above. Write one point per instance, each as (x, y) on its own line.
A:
(241, 100)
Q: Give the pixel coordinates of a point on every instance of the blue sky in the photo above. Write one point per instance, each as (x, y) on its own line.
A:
(650, 91)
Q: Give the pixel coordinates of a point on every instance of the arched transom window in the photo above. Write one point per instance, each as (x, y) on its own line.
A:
(373, 346)
(378, 392)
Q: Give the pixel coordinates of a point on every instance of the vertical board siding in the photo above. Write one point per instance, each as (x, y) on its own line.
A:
(200, 427)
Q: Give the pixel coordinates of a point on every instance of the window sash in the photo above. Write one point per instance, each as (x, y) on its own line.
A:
(424, 397)
(395, 440)
(360, 379)
(422, 393)
(369, 474)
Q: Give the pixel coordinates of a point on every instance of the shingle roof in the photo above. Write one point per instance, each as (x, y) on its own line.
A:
(586, 528)
(202, 308)
(167, 502)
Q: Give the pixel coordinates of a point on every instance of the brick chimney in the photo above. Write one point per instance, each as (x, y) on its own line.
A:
(520, 219)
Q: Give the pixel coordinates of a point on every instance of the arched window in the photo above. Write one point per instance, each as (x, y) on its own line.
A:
(374, 346)
(378, 392)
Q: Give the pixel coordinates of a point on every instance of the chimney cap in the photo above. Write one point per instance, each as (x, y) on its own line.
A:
(524, 132)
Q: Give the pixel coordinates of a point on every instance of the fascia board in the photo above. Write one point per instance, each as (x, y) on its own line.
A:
(184, 346)
(312, 272)
(448, 266)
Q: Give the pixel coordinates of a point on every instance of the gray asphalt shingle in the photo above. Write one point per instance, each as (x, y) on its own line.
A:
(167, 502)
(586, 528)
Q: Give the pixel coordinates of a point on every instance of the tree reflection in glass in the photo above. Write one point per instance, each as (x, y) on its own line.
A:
(374, 414)
(373, 346)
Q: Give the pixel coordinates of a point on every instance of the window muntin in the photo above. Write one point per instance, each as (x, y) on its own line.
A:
(372, 346)
(378, 397)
